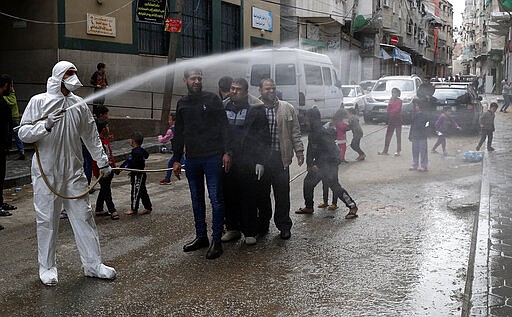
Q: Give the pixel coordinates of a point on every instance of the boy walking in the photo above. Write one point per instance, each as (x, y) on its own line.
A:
(357, 133)
(105, 194)
(442, 124)
(136, 160)
(487, 126)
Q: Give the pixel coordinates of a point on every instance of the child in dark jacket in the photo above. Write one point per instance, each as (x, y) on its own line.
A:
(105, 194)
(442, 124)
(487, 126)
(136, 160)
(357, 133)
(323, 158)
(418, 136)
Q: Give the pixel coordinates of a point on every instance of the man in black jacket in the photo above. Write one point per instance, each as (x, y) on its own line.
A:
(201, 128)
(322, 160)
(250, 138)
(6, 126)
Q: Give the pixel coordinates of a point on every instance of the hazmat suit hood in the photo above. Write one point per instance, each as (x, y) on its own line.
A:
(55, 81)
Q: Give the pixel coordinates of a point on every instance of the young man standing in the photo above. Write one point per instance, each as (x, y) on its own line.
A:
(250, 139)
(6, 126)
(285, 139)
(201, 126)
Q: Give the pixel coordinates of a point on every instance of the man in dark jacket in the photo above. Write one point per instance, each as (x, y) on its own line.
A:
(322, 160)
(201, 127)
(6, 126)
(250, 138)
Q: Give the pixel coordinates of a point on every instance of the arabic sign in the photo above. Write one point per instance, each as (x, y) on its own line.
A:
(151, 11)
(172, 25)
(262, 19)
(101, 25)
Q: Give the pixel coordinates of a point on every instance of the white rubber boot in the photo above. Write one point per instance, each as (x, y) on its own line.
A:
(48, 276)
(101, 271)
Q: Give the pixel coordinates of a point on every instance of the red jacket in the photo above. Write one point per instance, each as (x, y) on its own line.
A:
(394, 110)
(111, 160)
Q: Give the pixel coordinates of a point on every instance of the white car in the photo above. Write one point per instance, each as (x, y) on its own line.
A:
(353, 97)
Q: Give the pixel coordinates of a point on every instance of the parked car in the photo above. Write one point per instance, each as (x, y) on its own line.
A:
(367, 85)
(377, 99)
(464, 102)
(353, 97)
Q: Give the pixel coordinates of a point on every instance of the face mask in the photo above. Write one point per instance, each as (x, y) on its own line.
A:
(72, 83)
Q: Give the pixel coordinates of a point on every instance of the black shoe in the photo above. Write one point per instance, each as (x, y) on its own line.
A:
(196, 244)
(285, 234)
(4, 213)
(490, 149)
(21, 157)
(1, 227)
(214, 251)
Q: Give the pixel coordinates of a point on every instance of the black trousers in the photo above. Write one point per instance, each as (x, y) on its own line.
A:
(105, 194)
(3, 162)
(139, 192)
(240, 197)
(329, 175)
(356, 145)
(277, 178)
(485, 134)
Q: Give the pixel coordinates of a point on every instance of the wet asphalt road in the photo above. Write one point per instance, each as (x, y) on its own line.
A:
(406, 254)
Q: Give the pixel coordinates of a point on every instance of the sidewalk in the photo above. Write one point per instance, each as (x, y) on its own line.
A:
(18, 172)
(489, 275)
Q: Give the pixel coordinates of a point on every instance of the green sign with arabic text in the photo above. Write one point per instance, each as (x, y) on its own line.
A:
(151, 11)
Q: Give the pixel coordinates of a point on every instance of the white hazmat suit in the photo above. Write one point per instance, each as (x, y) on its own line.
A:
(60, 152)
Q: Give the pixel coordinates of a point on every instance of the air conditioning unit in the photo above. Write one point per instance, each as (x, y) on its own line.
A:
(385, 3)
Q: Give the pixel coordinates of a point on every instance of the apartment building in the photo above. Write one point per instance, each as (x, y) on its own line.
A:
(372, 38)
(484, 35)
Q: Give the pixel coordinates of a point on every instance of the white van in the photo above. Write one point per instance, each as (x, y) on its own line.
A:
(303, 78)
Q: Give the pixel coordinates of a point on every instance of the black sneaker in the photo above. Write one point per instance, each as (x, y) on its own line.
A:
(4, 213)
(490, 149)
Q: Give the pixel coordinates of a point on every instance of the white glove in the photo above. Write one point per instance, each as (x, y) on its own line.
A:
(52, 119)
(259, 170)
(105, 171)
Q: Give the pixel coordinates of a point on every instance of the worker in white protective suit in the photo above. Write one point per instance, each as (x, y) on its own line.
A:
(58, 141)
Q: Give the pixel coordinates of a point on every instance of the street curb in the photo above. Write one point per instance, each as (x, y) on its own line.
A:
(476, 291)
(18, 181)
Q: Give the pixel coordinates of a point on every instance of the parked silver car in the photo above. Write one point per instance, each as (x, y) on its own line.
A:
(377, 99)
(353, 97)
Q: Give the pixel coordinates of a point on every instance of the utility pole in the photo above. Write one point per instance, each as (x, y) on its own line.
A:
(174, 38)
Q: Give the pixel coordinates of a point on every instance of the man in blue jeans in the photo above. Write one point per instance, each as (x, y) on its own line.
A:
(201, 127)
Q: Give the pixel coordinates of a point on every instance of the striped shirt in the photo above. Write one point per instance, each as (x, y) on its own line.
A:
(272, 124)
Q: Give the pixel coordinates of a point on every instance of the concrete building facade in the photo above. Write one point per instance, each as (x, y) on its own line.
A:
(114, 32)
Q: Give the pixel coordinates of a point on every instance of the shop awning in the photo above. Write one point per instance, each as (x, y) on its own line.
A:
(384, 55)
(401, 55)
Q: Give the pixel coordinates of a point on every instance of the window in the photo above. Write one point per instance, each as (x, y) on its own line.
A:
(348, 92)
(326, 71)
(313, 75)
(285, 74)
(230, 27)
(152, 39)
(196, 34)
(259, 72)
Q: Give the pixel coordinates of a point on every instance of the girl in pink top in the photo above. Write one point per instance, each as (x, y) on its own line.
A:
(394, 111)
